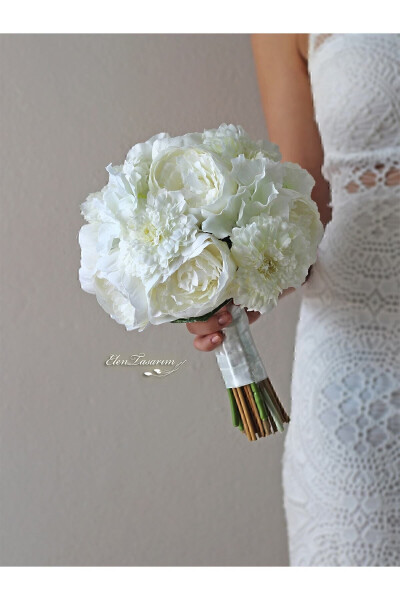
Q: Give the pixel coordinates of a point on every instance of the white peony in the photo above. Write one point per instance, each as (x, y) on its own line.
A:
(203, 180)
(115, 203)
(196, 286)
(122, 297)
(140, 157)
(272, 254)
(129, 309)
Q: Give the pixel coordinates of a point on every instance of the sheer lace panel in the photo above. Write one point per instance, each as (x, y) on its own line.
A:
(361, 177)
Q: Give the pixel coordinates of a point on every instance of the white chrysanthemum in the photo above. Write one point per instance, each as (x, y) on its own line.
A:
(158, 233)
(272, 255)
(198, 284)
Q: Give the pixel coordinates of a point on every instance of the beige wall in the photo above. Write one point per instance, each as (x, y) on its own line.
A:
(102, 466)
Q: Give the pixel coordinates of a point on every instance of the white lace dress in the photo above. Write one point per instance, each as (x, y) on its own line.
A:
(341, 461)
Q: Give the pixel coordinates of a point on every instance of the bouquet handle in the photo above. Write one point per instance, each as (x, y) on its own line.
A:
(255, 407)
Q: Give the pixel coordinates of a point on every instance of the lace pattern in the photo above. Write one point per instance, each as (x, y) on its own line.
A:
(360, 173)
(341, 462)
(356, 92)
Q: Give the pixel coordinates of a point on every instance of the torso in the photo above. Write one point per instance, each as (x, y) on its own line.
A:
(341, 472)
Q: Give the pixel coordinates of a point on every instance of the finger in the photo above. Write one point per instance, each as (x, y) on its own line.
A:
(206, 343)
(213, 324)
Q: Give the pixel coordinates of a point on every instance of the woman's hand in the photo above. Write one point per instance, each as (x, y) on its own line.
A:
(208, 333)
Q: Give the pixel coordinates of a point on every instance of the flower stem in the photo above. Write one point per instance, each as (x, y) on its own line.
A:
(272, 409)
(254, 409)
(271, 392)
(234, 409)
(258, 400)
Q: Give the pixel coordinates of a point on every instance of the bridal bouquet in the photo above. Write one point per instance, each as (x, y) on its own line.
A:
(190, 223)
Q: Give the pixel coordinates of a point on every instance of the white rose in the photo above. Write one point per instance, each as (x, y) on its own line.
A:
(198, 284)
(272, 255)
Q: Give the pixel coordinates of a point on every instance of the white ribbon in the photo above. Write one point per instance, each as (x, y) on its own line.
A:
(237, 356)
